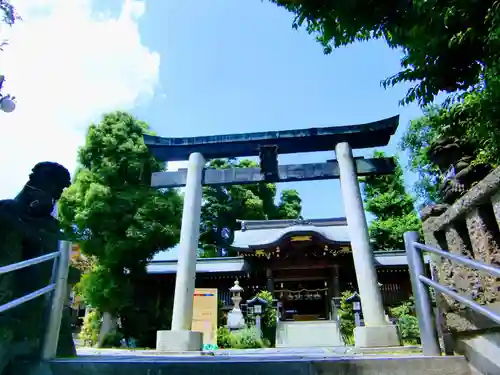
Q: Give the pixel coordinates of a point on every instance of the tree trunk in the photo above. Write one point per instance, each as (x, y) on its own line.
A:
(108, 325)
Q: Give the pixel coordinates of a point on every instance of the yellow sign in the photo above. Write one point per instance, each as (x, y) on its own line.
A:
(205, 314)
(301, 238)
(75, 251)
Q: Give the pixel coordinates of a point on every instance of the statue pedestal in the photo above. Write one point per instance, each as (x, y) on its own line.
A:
(235, 319)
(308, 334)
(376, 337)
(179, 341)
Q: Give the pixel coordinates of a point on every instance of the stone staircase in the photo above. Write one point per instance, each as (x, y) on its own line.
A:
(256, 364)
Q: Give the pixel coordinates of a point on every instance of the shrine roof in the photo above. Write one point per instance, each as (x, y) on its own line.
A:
(383, 259)
(203, 265)
(373, 134)
(259, 234)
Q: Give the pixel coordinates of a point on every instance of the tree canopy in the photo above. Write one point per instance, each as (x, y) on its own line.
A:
(446, 44)
(224, 205)
(473, 120)
(9, 14)
(393, 208)
(114, 214)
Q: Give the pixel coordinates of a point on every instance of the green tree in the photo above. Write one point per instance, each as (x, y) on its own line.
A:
(114, 214)
(473, 120)
(417, 141)
(446, 44)
(224, 205)
(393, 208)
(346, 318)
(269, 317)
(9, 14)
(407, 322)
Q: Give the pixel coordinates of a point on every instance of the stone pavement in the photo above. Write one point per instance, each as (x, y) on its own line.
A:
(310, 364)
(296, 361)
(254, 353)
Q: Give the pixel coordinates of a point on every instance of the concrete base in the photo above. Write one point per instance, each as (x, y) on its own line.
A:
(179, 341)
(481, 351)
(376, 337)
(255, 364)
(320, 333)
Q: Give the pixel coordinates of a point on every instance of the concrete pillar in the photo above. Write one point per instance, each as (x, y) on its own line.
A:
(190, 232)
(371, 297)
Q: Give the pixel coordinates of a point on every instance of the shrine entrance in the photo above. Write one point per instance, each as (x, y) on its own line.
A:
(267, 145)
(301, 264)
(303, 301)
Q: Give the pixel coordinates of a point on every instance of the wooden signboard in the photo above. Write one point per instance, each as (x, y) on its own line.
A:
(205, 314)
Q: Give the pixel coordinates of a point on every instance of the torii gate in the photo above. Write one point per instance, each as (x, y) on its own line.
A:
(267, 145)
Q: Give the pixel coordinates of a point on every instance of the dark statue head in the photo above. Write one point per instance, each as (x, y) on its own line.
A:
(45, 186)
(50, 177)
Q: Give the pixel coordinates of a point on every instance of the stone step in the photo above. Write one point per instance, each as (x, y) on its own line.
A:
(253, 365)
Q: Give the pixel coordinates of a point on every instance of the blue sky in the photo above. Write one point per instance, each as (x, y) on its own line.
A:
(234, 66)
(187, 67)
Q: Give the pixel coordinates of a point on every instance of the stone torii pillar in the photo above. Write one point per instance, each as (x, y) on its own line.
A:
(377, 332)
(180, 337)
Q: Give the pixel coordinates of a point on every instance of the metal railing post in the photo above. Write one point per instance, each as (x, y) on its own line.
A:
(428, 335)
(51, 337)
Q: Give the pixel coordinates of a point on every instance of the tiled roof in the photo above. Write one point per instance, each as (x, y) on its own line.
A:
(239, 264)
(264, 233)
(203, 265)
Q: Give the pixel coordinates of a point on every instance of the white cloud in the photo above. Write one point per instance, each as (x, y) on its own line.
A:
(67, 65)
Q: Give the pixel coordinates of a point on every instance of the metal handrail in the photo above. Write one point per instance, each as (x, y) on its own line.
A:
(27, 263)
(58, 287)
(495, 271)
(420, 284)
(27, 298)
(465, 301)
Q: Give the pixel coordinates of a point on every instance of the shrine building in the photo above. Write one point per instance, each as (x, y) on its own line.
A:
(306, 264)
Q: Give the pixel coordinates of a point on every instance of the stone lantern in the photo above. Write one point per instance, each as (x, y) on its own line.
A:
(257, 306)
(235, 318)
(355, 300)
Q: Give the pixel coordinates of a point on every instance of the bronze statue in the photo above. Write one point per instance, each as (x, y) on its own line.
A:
(28, 230)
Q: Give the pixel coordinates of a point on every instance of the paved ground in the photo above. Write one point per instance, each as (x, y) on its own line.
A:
(220, 352)
(274, 353)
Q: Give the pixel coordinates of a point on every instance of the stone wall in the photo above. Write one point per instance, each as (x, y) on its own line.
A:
(468, 227)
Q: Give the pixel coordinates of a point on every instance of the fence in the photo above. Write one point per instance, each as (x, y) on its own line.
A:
(420, 284)
(57, 286)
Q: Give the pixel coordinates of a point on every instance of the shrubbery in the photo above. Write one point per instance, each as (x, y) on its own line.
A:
(404, 313)
(346, 317)
(407, 323)
(90, 328)
(269, 318)
(223, 338)
(112, 339)
(247, 338)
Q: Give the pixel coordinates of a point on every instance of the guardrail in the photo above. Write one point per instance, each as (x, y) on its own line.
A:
(58, 288)
(421, 283)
